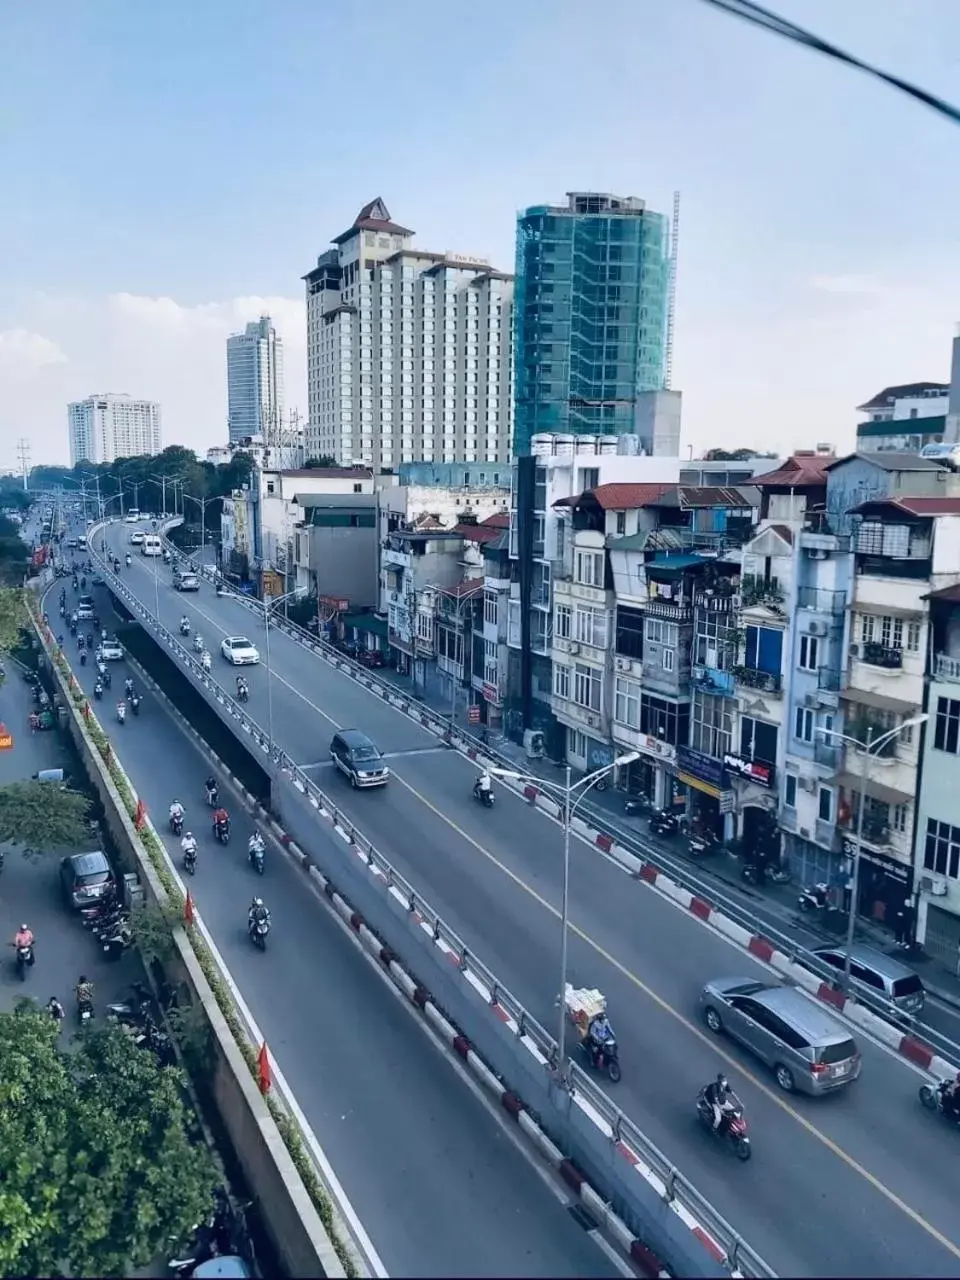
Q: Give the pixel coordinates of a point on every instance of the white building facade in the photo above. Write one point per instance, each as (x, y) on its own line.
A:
(106, 427)
(409, 353)
(255, 389)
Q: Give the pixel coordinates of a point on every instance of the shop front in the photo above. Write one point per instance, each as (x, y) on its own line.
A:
(757, 826)
(651, 777)
(883, 883)
(710, 801)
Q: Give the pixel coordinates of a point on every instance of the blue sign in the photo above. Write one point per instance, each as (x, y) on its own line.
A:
(701, 766)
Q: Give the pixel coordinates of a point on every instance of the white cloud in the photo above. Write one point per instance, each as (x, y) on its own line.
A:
(154, 347)
(23, 354)
(849, 285)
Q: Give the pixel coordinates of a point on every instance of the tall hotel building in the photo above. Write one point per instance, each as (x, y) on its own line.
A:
(106, 427)
(408, 352)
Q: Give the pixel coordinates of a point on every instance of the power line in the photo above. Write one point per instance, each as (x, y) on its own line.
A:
(757, 16)
(23, 457)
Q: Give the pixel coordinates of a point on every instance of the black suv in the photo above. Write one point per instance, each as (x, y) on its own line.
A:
(358, 758)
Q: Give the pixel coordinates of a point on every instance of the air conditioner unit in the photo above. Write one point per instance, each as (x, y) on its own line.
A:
(593, 720)
(933, 885)
(816, 553)
(623, 664)
(817, 628)
(807, 784)
(805, 832)
(812, 701)
(574, 649)
(854, 651)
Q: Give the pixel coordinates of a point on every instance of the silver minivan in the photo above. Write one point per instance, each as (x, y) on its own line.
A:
(883, 975)
(807, 1048)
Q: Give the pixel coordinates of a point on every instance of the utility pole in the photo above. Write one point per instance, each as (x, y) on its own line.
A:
(23, 457)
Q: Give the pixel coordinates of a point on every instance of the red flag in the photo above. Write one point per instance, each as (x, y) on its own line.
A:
(141, 815)
(188, 909)
(264, 1076)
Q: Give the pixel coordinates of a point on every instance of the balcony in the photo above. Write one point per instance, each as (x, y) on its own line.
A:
(829, 679)
(881, 655)
(757, 591)
(821, 600)
(710, 680)
(948, 668)
(717, 601)
(827, 754)
(825, 834)
(668, 609)
(753, 678)
(876, 830)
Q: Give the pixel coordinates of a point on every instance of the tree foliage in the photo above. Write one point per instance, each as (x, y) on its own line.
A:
(734, 455)
(98, 1171)
(44, 815)
(325, 460)
(14, 554)
(13, 618)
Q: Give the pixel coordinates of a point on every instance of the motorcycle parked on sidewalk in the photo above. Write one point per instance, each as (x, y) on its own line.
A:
(733, 1126)
(814, 900)
(701, 846)
(664, 823)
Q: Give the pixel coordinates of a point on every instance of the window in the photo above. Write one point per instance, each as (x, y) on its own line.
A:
(825, 804)
(577, 744)
(803, 724)
(758, 740)
(809, 653)
(561, 680)
(711, 727)
(790, 791)
(891, 633)
(562, 620)
(946, 733)
(764, 650)
(591, 627)
(942, 850)
(490, 611)
(668, 658)
(621, 523)
(658, 632)
(589, 568)
(627, 703)
(668, 721)
(630, 632)
(587, 686)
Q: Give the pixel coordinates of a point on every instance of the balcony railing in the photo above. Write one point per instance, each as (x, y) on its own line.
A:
(948, 668)
(829, 679)
(827, 754)
(876, 831)
(758, 591)
(718, 600)
(822, 600)
(754, 678)
(668, 609)
(881, 655)
(826, 833)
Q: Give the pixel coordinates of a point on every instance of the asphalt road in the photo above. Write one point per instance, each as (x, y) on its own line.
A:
(434, 1176)
(859, 1183)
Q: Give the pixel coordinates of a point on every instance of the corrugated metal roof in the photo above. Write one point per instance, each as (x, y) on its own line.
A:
(626, 497)
(932, 506)
(797, 472)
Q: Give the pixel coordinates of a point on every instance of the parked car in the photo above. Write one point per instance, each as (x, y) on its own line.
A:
(240, 651)
(883, 975)
(85, 878)
(358, 758)
(807, 1048)
(110, 650)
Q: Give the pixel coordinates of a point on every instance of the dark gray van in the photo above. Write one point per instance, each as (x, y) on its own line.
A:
(358, 758)
(885, 976)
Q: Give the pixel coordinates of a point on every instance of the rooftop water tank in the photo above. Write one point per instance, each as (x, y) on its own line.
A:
(628, 446)
(608, 445)
(563, 445)
(541, 446)
(586, 444)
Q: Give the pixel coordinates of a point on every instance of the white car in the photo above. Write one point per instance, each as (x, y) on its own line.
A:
(136, 538)
(110, 651)
(240, 651)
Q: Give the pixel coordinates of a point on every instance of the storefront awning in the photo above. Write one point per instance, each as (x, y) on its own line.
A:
(881, 701)
(366, 622)
(878, 790)
(698, 784)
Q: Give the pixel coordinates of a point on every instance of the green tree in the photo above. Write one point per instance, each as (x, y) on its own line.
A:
(44, 815)
(324, 460)
(14, 554)
(99, 1170)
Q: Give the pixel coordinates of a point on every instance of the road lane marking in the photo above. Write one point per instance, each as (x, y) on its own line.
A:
(850, 1161)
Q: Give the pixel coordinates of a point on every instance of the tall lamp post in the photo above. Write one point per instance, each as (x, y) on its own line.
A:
(869, 750)
(202, 503)
(269, 605)
(570, 794)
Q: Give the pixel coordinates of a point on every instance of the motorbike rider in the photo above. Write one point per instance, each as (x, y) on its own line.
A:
(242, 689)
(483, 785)
(84, 991)
(121, 711)
(176, 812)
(258, 914)
(98, 688)
(255, 845)
(599, 1034)
(184, 625)
(221, 820)
(128, 687)
(23, 937)
(950, 1093)
(198, 642)
(212, 790)
(56, 1010)
(128, 560)
(189, 845)
(719, 1096)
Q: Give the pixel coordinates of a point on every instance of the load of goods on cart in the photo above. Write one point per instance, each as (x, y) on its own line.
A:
(586, 1007)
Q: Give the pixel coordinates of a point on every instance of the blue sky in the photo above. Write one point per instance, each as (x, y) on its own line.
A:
(171, 168)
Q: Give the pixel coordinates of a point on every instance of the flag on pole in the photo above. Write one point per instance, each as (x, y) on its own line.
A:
(264, 1075)
(140, 816)
(188, 913)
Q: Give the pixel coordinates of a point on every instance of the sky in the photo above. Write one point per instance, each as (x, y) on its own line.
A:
(171, 170)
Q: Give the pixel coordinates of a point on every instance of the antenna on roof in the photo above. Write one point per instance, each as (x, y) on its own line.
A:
(671, 294)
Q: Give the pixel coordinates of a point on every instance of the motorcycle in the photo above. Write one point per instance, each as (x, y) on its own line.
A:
(485, 798)
(198, 643)
(205, 660)
(25, 959)
(135, 703)
(243, 693)
(753, 873)
(814, 899)
(176, 824)
(256, 852)
(184, 628)
(133, 1011)
(221, 589)
(733, 1130)
(121, 713)
(700, 846)
(221, 832)
(258, 930)
(664, 823)
(120, 940)
(84, 1010)
(190, 860)
(605, 1057)
(98, 690)
(635, 804)
(213, 797)
(934, 1098)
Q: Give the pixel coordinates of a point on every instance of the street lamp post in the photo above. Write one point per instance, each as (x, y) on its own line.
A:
(202, 503)
(869, 750)
(571, 800)
(268, 606)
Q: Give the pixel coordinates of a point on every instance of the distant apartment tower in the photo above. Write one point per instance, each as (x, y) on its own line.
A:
(106, 427)
(408, 352)
(255, 382)
(593, 321)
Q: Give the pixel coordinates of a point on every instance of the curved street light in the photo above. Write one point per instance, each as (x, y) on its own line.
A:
(571, 794)
(869, 749)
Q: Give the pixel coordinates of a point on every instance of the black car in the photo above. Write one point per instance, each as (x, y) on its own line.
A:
(359, 759)
(85, 878)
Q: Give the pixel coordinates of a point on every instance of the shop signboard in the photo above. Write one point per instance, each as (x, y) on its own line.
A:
(706, 768)
(753, 770)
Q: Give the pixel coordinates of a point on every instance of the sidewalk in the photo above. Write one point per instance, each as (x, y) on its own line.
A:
(605, 808)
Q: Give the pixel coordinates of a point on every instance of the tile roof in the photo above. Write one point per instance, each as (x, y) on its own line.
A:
(621, 497)
(798, 472)
(932, 506)
(885, 398)
(374, 216)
